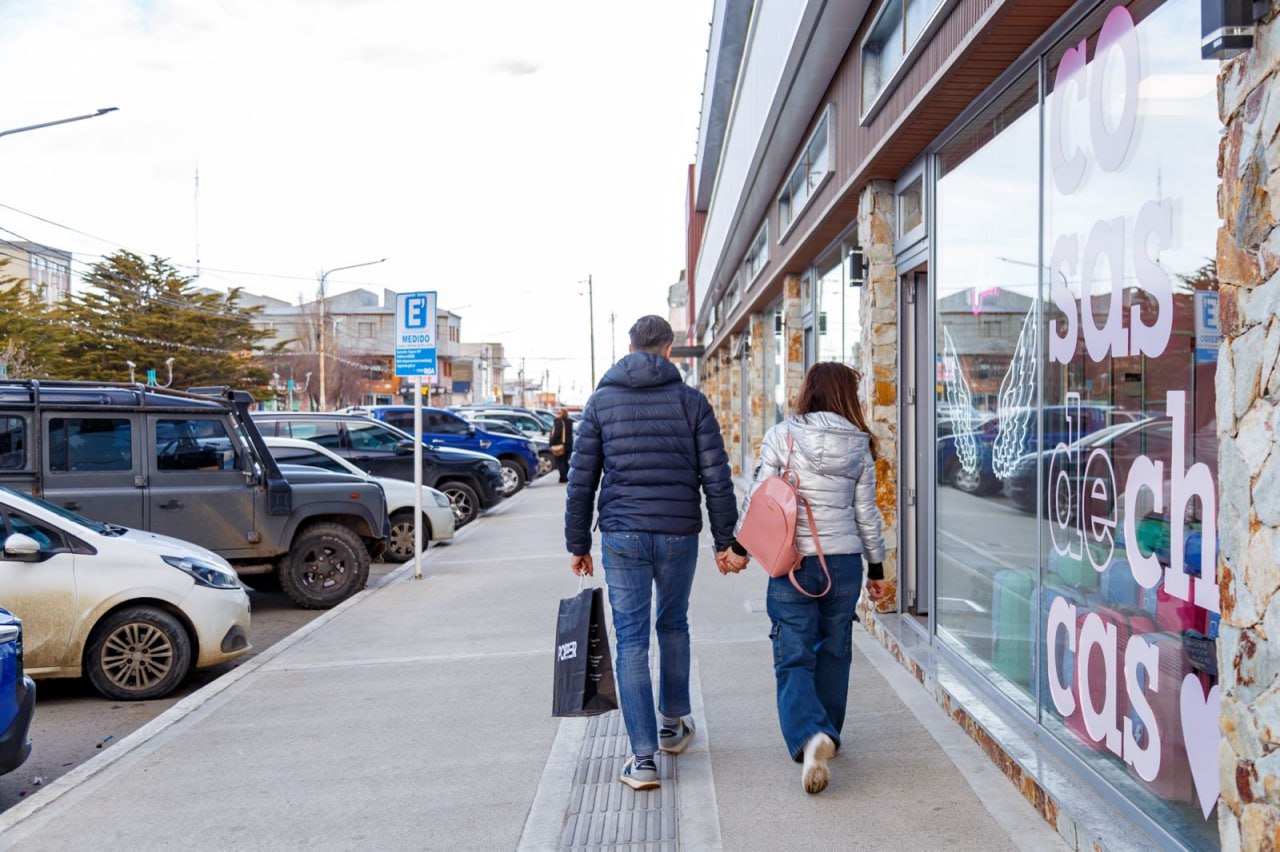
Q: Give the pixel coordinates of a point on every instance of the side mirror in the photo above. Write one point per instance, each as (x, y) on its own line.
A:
(404, 448)
(22, 548)
(471, 430)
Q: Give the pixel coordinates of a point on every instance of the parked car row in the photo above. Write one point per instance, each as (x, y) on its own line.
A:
(131, 517)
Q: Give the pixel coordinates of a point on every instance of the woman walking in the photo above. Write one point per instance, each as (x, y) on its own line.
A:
(833, 455)
(562, 437)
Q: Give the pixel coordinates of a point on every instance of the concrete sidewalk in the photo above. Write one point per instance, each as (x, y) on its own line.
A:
(417, 717)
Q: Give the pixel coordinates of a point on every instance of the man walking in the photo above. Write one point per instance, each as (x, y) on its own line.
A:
(657, 444)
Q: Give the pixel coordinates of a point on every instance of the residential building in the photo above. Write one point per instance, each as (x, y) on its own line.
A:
(488, 370)
(1042, 232)
(44, 272)
(358, 344)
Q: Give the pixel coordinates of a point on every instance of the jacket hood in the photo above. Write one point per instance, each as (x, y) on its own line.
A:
(827, 440)
(641, 370)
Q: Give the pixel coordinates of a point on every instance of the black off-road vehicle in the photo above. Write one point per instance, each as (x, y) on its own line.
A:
(191, 465)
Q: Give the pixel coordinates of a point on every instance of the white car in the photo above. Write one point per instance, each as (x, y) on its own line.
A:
(435, 505)
(132, 610)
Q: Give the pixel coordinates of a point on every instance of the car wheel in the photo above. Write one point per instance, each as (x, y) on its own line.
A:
(463, 499)
(969, 483)
(546, 463)
(400, 548)
(138, 653)
(512, 477)
(327, 564)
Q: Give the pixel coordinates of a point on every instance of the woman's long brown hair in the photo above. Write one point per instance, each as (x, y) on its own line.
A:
(832, 386)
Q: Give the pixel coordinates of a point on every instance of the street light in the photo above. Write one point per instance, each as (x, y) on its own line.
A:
(323, 275)
(591, 311)
(102, 111)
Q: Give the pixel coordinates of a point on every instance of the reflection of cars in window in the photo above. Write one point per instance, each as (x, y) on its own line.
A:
(982, 478)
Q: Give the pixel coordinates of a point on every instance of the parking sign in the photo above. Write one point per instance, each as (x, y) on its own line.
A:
(416, 333)
(1208, 334)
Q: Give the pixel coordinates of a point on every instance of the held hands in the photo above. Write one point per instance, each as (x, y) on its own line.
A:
(581, 565)
(876, 589)
(729, 562)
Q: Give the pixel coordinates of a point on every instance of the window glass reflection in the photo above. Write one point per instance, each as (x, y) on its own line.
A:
(986, 393)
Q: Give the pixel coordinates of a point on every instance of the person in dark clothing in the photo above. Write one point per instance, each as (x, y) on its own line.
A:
(562, 436)
(652, 445)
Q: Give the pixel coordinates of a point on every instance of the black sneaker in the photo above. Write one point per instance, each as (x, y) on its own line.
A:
(640, 773)
(674, 740)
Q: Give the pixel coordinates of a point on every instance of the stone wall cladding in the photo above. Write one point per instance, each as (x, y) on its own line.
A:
(793, 328)
(1248, 417)
(753, 430)
(879, 391)
(731, 424)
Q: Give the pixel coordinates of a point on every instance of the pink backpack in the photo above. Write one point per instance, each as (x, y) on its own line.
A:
(768, 531)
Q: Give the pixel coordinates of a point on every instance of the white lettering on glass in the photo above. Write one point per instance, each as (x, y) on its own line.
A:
(1155, 221)
(1118, 37)
(1145, 761)
(1062, 616)
(1106, 241)
(1101, 724)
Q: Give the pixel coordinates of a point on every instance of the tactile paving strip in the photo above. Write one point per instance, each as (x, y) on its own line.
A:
(605, 814)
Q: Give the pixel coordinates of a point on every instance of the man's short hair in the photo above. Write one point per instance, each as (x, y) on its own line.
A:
(651, 334)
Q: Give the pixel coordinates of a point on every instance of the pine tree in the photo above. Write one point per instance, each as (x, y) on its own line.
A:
(145, 311)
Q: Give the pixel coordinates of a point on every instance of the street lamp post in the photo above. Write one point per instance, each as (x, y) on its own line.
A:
(321, 331)
(591, 311)
(102, 111)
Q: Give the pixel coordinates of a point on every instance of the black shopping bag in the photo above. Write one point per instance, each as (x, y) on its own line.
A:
(584, 666)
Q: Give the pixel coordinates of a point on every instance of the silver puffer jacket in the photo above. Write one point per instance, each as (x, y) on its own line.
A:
(837, 475)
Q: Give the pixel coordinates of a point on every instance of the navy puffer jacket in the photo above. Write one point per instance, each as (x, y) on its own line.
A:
(657, 444)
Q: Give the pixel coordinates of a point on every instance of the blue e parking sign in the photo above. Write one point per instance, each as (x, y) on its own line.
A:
(416, 333)
(1208, 335)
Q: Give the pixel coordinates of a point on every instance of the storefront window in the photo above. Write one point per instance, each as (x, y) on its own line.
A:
(1129, 459)
(988, 321)
(775, 359)
(839, 331)
(1077, 453)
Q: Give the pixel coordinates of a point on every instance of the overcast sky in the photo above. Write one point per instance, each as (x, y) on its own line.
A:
(497, 152)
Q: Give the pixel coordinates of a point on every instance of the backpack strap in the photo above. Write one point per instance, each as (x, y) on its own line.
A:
(789, 476)
(817, 543)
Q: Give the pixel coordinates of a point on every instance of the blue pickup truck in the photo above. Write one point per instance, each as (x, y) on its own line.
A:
(17, 696)
(440, 428)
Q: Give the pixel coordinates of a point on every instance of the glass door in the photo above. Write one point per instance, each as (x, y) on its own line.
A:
(917, 380)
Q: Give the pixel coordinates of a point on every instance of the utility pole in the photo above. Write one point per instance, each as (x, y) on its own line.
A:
(321, 331)
(591, 309)
(522, 381)
(613, 339)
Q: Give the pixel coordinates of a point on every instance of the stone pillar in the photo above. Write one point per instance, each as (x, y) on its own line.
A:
(1248, 418)
(731, 422)
(761, 323)
(793, 329)
(879, 390)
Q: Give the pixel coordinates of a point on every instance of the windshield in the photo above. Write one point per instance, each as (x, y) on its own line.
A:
(99, 528)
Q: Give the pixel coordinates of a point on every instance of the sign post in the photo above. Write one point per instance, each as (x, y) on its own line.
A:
(416, 357)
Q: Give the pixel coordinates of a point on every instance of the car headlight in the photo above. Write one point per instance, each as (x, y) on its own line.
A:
(441, 500)
(493, 466)
(532, 447)
(204, 573)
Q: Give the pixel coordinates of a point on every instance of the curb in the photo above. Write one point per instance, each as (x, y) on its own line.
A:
(32, 805)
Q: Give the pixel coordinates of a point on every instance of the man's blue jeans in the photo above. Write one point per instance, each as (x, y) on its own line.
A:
(813, 647)
(634, 564)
